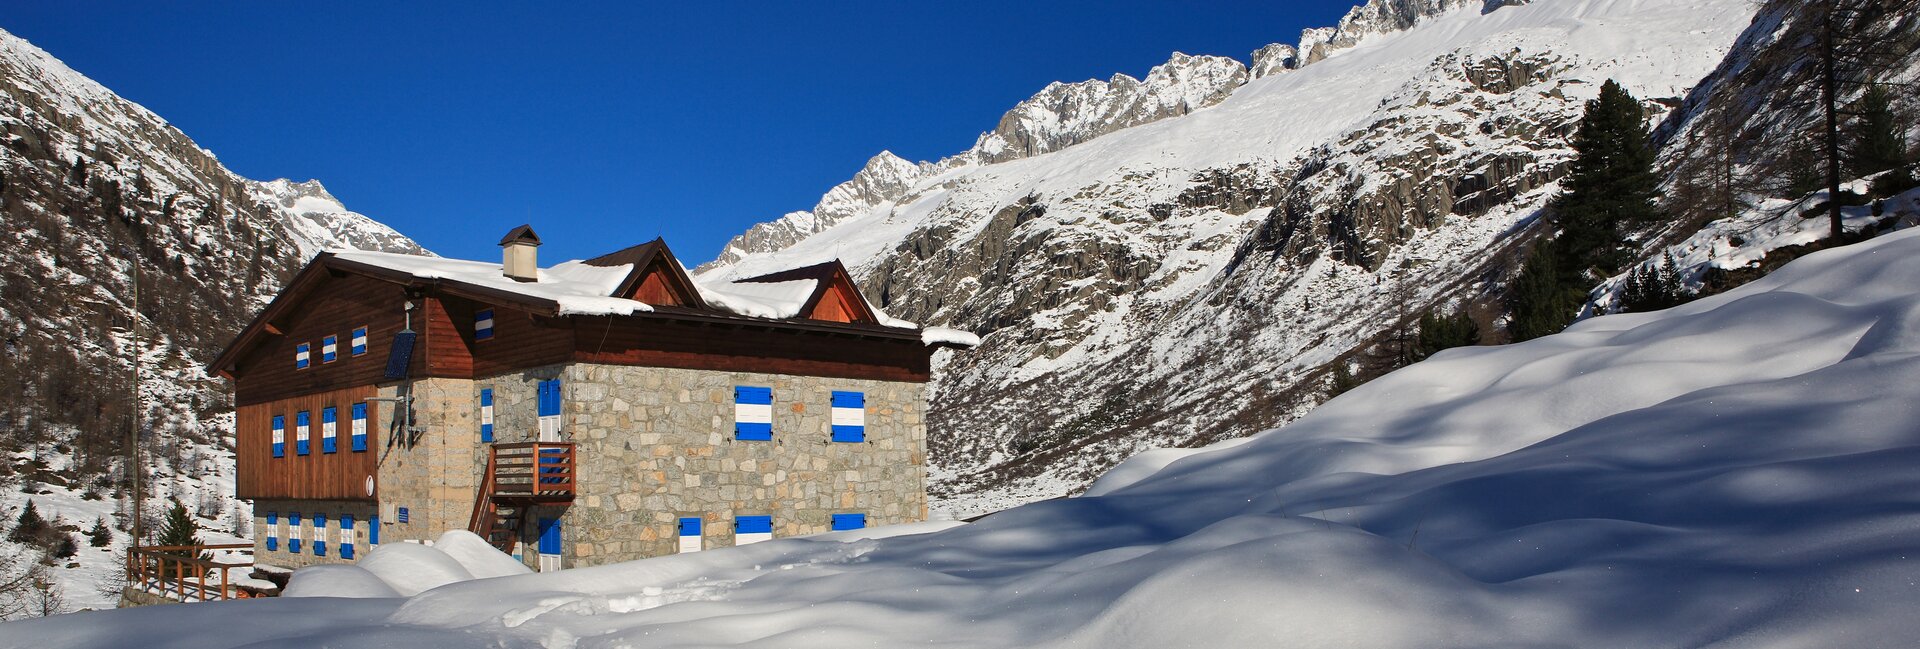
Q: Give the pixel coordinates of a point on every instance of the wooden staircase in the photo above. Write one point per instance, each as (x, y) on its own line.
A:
(518, 477)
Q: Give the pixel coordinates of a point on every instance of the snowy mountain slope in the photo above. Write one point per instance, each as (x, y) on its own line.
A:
(1735, 472)
(1306, 212)
(93, 186)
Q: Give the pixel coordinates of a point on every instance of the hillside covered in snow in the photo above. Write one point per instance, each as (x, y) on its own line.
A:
(1735, 472)
(95, 191)
(1189, 256)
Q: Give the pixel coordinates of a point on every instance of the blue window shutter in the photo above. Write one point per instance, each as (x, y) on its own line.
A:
(279, 435)
(483, 324)
(486, 415)
(329, 430)
(849, 416)
(319, 535)
(373, 530)
(849, 521)
(753, 525)
(346, 536)
(329, 349)
(303, 430)
(359, 427)
(690, 526)
(302, 356)
(752, 413)
(273, 531)
(293, 534)
(358, 344)
(549, 397)
(549, 536)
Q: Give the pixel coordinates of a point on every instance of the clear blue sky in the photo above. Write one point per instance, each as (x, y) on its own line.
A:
(613, 123)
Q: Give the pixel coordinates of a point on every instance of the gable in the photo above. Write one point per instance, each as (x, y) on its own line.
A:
(659, 286)
(838, 302)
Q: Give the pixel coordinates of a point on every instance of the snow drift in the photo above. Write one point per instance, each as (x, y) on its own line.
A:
(1736, 472)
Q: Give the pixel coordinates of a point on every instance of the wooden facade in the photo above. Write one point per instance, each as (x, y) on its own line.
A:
(341, 475)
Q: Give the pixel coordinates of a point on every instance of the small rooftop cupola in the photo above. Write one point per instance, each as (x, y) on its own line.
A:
(518, 260)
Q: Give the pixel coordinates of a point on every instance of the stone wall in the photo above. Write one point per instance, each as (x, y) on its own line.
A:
(433, 471)
(654, 445)
(657, 444)
(361, 512)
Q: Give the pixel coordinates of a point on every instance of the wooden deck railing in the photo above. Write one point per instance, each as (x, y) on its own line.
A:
(177, 571)
(533, 471)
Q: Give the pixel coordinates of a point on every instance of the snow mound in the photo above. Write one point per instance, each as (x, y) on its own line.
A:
(481, 560)
(1736, 472)
(337, 581)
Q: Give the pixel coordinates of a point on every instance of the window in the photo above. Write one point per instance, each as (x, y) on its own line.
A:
(549, 544)
(359, 427)
(550, 410)
(373, 530)
(849, 416)
(752, 413)
(279, 435)
(273, 531)
(329, 440)
(486, 415)
(319, 535)
(347, 535)
(483, 324)
(849, 522)
(329, 349)
(301, 423)
(752, 529)
(690, 534)
(293, 532)
(358, 342)
(301, 356)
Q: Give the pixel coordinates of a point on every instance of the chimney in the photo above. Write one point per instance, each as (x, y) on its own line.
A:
(517, 255)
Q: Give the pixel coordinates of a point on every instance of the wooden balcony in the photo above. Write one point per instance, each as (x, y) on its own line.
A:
(520, 476)
(535, 473)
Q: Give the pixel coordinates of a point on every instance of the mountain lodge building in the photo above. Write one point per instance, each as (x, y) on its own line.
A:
(586, 413)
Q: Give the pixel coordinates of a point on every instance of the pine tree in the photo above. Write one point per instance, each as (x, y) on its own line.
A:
(1343, 380)
(1611, 185)
(66, 547)
(179, 529)
(30, 527)
(1879, 137)
(1539, 298)
(100, 536)
(1438, 331)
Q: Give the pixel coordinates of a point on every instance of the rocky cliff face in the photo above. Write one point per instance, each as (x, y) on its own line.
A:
(93, 188)
(1194, 276)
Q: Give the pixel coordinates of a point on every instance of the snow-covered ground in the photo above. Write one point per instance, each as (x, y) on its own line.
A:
(205, 483)
(1734, 472)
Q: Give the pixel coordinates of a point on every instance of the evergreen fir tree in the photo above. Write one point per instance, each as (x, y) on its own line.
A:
(1880, 142)
(1540, 300)
(100, 536)
(1343, 380)
(1439, 332)
(30, 527)
(1611, 185)
(179, 528)
(65, 548)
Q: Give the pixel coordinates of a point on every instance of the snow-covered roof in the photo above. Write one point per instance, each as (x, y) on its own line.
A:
(591, 287)
(609, 285)
(575, 287)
